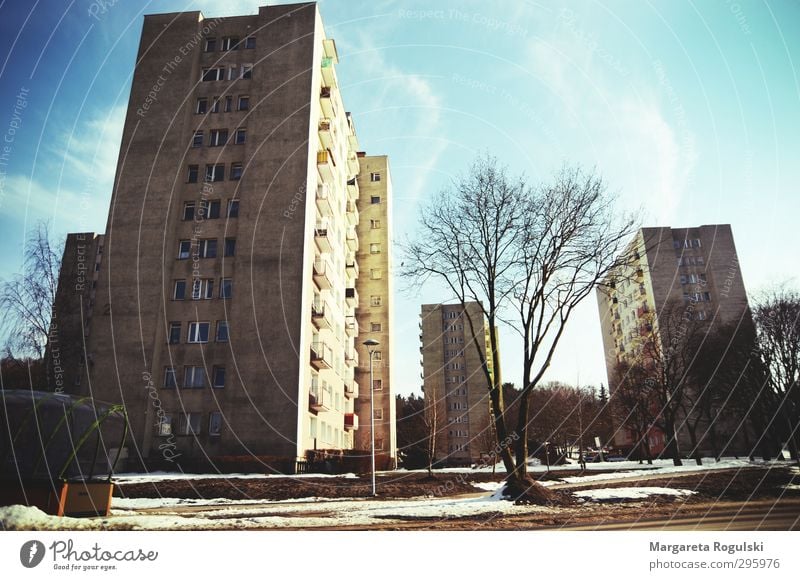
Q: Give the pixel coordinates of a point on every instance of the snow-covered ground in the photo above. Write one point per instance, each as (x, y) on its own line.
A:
(188, 514)
(155, 476)
(635, 493)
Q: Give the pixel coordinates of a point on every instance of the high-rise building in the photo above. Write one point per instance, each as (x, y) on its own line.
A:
(694, 270)
(456, 397)
(226, 303)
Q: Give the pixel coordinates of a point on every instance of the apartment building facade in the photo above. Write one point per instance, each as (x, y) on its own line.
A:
(454, 385)
(226, 302)
(692, 270)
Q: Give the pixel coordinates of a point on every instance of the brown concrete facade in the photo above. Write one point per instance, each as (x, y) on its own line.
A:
(454, 383)
(375, 321)
(694, 267)
(222, 316)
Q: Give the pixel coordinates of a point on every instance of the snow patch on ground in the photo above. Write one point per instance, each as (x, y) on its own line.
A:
(489, 485)
(167, 475)
(606, 494)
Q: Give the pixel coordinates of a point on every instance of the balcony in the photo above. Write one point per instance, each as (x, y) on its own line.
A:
(351, 296)
(321, 236)
(351, 357)
(327, 133)
(351, 389)
(350, 326)
(324, 200)
(320, 315)
(326, 164)
(352, 214)
(352, 239)
(352, 189)
(319, 399)
(351, 265)
(328, 76)
(640, 275)
(350, 422)
(329, 50)
(326, 101)
(322, 273)
(352, 163)
(321, 356)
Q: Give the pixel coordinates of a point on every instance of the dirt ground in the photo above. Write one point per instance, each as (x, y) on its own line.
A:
(719, 485)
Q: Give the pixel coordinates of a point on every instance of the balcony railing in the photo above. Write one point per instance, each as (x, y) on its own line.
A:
(322, 276)
(321, 355)
(351, 389)
(352, 189)
(324, 200)
(321, 236)
(352, 214)
(351, 296)
(326, 164)
(351, 265)
(350, 326)
(319, 314)
(352, 239)
(319, 398)
(351, 357)
(350, 422)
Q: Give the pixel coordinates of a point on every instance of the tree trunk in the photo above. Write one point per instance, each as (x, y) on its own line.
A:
(672, 449)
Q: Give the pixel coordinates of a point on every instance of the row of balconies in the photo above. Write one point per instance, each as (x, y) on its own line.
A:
(323, 240)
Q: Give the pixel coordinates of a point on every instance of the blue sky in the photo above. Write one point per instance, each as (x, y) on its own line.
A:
(690, 109)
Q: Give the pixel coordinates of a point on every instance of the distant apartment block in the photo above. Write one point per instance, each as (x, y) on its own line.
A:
(694, 267)
(454, 384)
(229, 297)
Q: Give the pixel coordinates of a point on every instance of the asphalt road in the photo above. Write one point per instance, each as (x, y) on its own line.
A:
(762, 515)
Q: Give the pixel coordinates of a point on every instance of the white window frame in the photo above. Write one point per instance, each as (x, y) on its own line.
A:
(195, 334)
(215, 423)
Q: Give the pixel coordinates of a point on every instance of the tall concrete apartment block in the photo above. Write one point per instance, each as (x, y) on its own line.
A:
(227, 300)
(374, 316)
(694, 267)
(453, 382)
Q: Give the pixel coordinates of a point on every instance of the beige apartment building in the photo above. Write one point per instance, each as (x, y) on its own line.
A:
(454, 384)
(696, 268)
(228, 306)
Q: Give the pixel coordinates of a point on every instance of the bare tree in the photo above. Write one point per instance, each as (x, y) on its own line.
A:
(535, 254)
(431, 418)
(27, 298)
(635, 406)
(777, 317)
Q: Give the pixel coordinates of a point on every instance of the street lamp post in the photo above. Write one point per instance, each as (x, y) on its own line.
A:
(371, 344)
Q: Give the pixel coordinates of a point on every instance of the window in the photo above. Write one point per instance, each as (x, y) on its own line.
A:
(198, 332)
(374, 300)
(244, 102)
(210, 209)
(203, 289)
(233, 208)
(375, 176)
(375, 199)
(375, 274)
(230, 43)
(202, 106)
(215, 172)
(377, 385)
(222, 331)
(207, 249)
(211, 44)
(378, 414)
(240, 136)
(215, 105)
(174, 332)
(189, 424)
(194, 377)
(179, 292)
(250, 42)
(696, 243)
(377, 354)
(374, 248)
(375, 224)
(379, 444)
(376, 327)
(188, 211)
(184, 249)
(236, 171)
(247, 71)
(702, 315)
(214, 423)
(233, 72)
(218, 137)
(230, 247)
(228, 104)
(214, 74)
(165, 425)
(170, 378)
(191, 176)
(197, 140)
(218, 377)
(226, 288)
